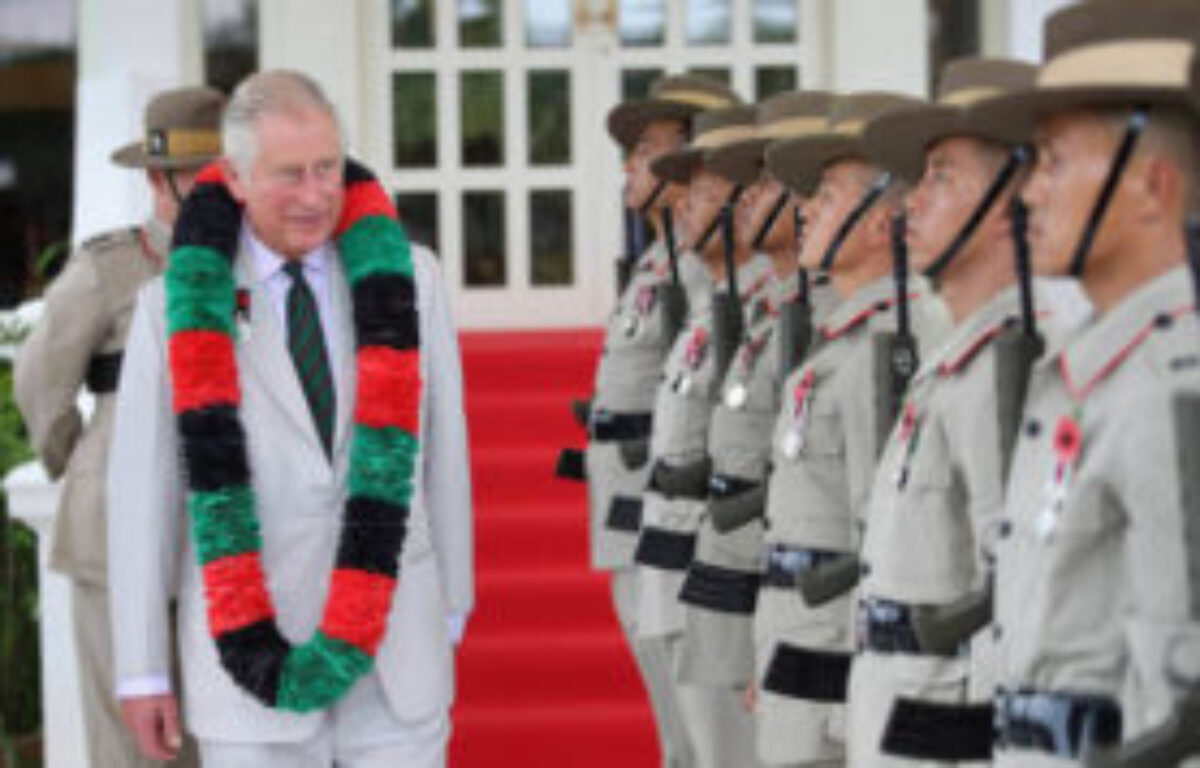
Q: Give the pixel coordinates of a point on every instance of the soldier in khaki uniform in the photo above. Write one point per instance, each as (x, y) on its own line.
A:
(77, 343)
(825, 438)
(635, 347)
(938, 491)
(675, 497)
(721, 587)
(1096, 600)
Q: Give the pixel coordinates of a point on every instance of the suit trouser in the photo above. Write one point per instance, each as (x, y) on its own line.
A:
(359, 731)
(110, 745)
(654, 662)
(719, 727)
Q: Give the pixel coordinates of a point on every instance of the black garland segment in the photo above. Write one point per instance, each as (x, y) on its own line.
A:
(205, 220)
(355, 173)
(254, 657)
(385, 312)
(214, 448)
(372, 536)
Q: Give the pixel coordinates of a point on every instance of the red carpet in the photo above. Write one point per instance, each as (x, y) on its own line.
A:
(544, 677)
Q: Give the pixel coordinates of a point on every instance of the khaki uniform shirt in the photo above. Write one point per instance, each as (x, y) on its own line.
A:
(87, 312)
(630, 368)
(1095, 586)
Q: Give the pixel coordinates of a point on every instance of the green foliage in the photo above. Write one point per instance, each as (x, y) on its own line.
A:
(20, 668)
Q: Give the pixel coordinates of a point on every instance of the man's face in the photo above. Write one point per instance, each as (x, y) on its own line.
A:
(840, 190)
(706, 195)
(1074, 152)
(659, 138)
(755, 207)
(955, 180)
(293, 193)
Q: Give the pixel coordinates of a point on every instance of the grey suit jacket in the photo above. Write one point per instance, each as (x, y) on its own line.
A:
(299, 495)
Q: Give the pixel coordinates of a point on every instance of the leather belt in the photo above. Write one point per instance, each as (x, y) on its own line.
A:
(609, 426)
(666, 550)
(785, 564)
(720, 589)
(885, 626)
(725, 486)
(1062, 724)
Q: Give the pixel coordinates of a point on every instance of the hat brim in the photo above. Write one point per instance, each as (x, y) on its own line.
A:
(627, 121)
(1017, 114)
(898, 141)
(740, 162)
(798, 163)
(134, 156)
(678, 167)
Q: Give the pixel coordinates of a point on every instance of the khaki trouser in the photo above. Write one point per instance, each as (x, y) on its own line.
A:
(109, 745)
(653, 659)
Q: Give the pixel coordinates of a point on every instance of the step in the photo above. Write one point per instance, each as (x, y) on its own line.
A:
(561, 359)
(523, 418)
(543, 601)
(553, 669)
(579, 736)
(521, 476)
(534, 536)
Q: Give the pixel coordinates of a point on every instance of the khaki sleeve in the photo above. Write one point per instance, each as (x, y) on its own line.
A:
(52, 363)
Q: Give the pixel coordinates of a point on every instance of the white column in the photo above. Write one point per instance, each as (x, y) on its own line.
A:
(325, 41)
(127, 51)
(33, 499)
(1025, 20)
(875, 45)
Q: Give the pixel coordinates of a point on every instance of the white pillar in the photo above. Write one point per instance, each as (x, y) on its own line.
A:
(1025, 20)
(325, 41)
(875, 45)
(33, 499)
(127, 51)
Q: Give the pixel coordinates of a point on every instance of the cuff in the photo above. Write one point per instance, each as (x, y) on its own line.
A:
(147, 685)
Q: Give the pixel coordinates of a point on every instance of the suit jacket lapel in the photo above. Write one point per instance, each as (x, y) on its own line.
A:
(341, 328)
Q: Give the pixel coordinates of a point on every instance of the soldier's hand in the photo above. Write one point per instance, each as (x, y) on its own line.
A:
(750, 697)
(154, 722)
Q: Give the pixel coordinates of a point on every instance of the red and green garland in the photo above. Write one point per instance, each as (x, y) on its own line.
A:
(201, 304)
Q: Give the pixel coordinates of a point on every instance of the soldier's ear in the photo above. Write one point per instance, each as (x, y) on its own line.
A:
(1163, 188)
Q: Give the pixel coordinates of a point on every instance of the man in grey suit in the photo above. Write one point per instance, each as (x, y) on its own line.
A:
(289, 461)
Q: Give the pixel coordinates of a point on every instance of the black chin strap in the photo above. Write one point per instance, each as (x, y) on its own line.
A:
(1017, 158)
(869, 198)
(769, 223)
(1134, 127)
(715, 224)
(1019, 215)
(655, 193)
(170, 177)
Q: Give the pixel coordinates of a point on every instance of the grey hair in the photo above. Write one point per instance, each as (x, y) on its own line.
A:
(279, 91)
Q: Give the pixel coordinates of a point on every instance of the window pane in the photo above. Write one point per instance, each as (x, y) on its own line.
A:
(547, 23)
(413, 24)
(708, 22)
(635, 83)
(550, 237)
(716, 73)
(419, 214)
(549, 117)
(483, 233)
(769, 81)
(774, 21)
(230, 42)
(414, 120)
(641, 22)
(482, 118)
(480, 23)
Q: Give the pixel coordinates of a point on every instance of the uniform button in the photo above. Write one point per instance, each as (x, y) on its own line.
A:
(1005, 529)
(1163, 321)
(1033, 428)
(997, 632)
(864, 570)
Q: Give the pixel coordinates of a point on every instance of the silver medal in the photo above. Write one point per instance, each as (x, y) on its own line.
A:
(793, 443)
(735, 396)
(683, 384)
(632, 324)
(1047, 519)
